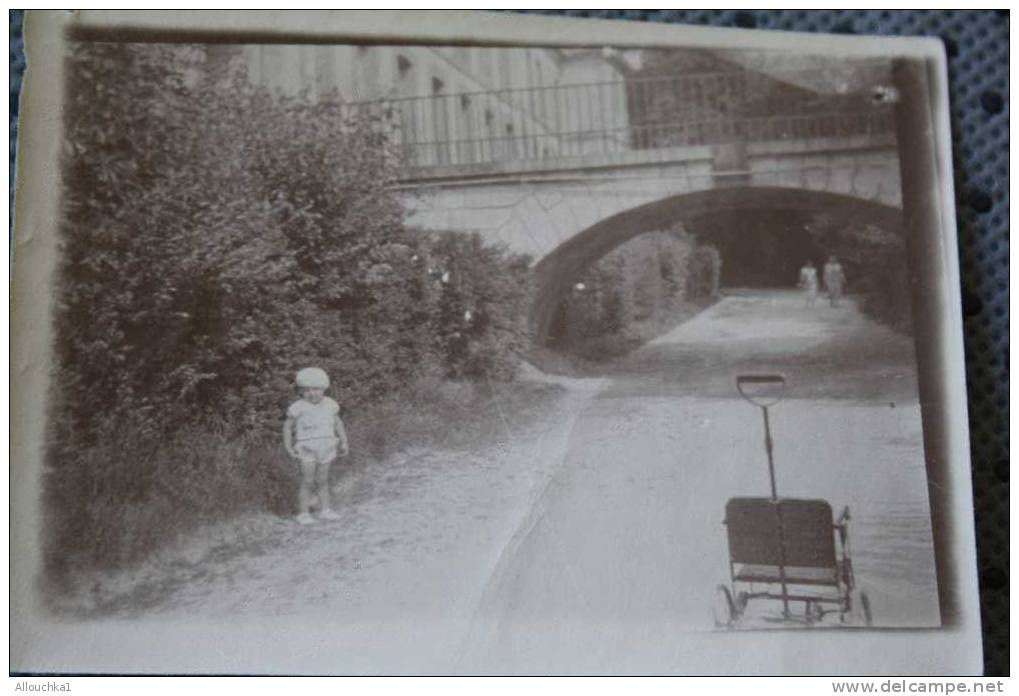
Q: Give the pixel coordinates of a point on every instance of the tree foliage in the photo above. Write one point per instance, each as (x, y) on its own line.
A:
(216, 237)
(646, 280)
(691, 95)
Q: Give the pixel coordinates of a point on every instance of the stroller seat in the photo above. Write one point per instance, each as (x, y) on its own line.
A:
(768, 535)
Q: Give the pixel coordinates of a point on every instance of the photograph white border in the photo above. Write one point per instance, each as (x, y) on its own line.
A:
(954, 649)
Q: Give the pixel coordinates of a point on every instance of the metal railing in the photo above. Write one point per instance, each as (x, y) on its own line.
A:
(603, 118)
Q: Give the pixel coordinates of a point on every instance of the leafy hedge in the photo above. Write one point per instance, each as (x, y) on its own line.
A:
(633, 292)
(217, 237)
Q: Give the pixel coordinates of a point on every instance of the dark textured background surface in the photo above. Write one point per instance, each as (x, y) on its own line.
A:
(977, 45)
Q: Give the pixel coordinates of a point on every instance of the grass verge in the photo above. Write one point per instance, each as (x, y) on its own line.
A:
(180, 498)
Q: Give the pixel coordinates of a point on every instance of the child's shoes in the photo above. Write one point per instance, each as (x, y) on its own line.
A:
(305, 518)
(328, 514)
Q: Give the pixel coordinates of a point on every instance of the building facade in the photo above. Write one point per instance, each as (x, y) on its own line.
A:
(481, 108)
(463, 105)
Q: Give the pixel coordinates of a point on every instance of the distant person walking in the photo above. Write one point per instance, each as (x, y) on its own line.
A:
(808, 281)
(834, 280)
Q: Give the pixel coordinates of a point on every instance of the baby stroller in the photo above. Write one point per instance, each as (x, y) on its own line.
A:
(789, 552)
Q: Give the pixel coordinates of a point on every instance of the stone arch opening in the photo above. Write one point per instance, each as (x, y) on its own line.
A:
(727, 218)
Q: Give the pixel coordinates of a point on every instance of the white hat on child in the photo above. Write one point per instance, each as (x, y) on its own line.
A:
(313, 378)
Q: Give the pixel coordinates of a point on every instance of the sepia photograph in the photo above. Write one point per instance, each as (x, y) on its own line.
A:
(416, 357)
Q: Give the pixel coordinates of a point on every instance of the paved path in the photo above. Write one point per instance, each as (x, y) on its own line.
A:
(618, 561)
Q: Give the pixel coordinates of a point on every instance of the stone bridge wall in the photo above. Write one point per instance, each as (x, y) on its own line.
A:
(536, 211)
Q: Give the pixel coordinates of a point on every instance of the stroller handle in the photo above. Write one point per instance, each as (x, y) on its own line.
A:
(743, 381)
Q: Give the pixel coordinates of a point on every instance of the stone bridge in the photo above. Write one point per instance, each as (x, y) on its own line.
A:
(566, 213)
(565, 173)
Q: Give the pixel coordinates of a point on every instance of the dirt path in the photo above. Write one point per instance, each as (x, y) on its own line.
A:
(399, 574)
(826, 352)
(420, 540)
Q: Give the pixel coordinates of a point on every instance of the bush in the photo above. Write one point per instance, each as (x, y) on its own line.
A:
(482, 293)
(648, 280)
(703, 270)
(133, 493)
(216, 238)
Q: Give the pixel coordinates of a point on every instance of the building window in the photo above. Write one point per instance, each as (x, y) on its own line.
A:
(440, 122)
(486, 58)
(403, 66)
(505, 71)
(325, 70)
(511, 142)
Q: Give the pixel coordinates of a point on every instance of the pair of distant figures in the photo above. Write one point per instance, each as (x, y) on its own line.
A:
(834, 281)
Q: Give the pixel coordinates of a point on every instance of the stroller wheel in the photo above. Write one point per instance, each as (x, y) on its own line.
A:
(859, 613)
(813, 612)
(868, 619)
(724, 608)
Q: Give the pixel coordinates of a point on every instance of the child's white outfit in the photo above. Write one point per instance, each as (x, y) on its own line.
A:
(315, 437)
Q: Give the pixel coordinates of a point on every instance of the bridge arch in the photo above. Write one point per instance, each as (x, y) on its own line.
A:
(557, 271)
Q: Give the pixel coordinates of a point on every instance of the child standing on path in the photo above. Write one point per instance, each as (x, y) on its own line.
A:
(313, 434)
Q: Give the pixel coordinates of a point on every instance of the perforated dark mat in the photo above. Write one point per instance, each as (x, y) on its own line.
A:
(977, 44)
